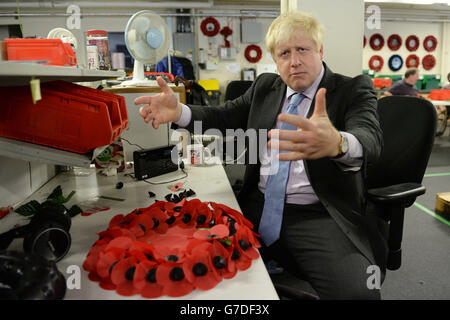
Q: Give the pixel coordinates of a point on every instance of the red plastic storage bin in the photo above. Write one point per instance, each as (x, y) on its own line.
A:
(59, 120)
(54, 50)
(439, 94)
(382, 82)
(116, 104)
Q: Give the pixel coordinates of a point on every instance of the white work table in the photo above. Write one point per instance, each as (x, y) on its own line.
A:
(210, 184)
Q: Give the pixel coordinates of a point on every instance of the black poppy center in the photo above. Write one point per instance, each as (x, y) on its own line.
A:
(199, 269)
(177, 209)
(176, 274)
(151, 275)
(219, 262)
(236, 255)
(112, 267)
(149, 257)
(172, 258)
(211, 236)
(170, 220)
(244, 244)
(142, 227)
(187, 217)
(201, 219)
(129, 274)
(156, 223)
(139, 212)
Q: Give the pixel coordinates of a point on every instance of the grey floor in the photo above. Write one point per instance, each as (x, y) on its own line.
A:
(425, 270)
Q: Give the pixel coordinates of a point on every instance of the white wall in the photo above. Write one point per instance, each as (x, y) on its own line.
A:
(225, 68)
(344, 28)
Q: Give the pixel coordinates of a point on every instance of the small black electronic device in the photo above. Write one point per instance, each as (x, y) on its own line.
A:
(154, 162)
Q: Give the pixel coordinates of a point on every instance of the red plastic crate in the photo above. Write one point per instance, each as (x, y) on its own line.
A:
(59, 120)
(59, 53)
(439, 94)
(116, 104)
(382, 82)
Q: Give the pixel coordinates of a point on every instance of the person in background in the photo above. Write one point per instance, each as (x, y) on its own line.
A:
(407, 86)
(447, 86)
(311, 212)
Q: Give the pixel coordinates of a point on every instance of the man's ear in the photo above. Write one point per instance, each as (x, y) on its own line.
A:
(321, 52)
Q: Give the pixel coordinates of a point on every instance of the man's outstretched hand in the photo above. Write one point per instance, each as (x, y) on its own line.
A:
(161, 108)
(315, 137)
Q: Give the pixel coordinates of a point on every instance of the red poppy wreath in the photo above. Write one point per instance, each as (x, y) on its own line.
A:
(171, 249)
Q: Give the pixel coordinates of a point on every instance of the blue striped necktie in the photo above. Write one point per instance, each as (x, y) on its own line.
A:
(272, 216)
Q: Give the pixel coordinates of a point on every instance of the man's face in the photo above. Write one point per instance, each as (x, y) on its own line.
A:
(298, 61)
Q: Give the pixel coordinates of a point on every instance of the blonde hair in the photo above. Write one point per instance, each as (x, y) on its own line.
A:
(283, 27)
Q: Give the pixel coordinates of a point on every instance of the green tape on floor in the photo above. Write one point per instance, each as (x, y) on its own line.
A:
(431, 213)
(436, 174)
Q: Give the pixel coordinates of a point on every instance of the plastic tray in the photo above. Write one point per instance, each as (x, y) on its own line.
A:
(54, 50)
(59, 120)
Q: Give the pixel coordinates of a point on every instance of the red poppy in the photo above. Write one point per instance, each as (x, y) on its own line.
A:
(219, 231)
(159, 218)
(173, 279)
(114, 233)
(122, 276)
(120, 242)
(176, 187)
(199, 270)
(90, 264)
(220, 256)
(243, 242)
(142, 251)
(169, 254)
(107, 261)
(237, 260)
(145, 280)
(141, 224)
(186, 217)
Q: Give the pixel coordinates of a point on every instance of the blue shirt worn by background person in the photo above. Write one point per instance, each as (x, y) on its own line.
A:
(163, 66)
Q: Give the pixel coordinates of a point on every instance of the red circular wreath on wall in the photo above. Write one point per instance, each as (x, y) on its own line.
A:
(207, 31)
(412, 43)
(412, 61)
(376, 41)
(251, 48)
(394, 42)
(430, 46)
(428, 62)
(376, 63)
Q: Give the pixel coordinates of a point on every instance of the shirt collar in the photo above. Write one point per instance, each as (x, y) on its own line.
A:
(311, 90)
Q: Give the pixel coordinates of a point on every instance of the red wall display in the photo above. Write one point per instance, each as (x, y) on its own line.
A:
(251, 48)
(394, 42)
(412, 43)
(430, 43)
(376, 63)
(412, 61)
(376, 41)
(428, 62)
(210, 27)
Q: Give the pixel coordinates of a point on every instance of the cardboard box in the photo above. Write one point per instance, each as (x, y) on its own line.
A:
(443, 202)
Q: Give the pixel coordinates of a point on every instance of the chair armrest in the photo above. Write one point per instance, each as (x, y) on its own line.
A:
(403, 192)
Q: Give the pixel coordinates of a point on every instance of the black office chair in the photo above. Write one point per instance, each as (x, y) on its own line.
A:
(409, 128)
(394, 182)
(236, 88)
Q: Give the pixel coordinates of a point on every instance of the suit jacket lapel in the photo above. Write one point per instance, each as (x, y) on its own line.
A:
(326, 83)
(272, 105)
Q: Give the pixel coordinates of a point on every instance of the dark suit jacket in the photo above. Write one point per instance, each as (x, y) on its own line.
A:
(351, 107)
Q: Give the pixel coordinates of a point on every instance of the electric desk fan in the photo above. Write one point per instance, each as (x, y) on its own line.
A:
(147, 40)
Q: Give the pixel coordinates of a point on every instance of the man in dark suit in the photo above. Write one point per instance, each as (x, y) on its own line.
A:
(321, 230)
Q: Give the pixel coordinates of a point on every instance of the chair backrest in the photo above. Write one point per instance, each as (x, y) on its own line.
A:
(236, 89)
(409, 126)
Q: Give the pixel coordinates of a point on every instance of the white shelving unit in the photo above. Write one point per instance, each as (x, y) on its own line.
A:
(20, 74)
